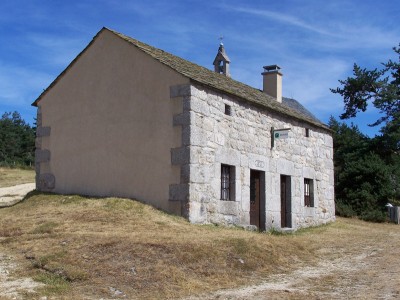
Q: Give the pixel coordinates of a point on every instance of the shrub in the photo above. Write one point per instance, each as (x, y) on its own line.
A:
(374, 216)
(344, 210)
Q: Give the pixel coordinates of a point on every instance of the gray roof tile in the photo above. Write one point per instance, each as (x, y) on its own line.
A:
(225, 84)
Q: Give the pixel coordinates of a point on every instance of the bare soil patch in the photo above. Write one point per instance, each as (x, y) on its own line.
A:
(11, 287)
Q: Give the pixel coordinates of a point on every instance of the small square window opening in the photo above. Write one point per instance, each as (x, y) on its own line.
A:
(227, 109)
(307, 132)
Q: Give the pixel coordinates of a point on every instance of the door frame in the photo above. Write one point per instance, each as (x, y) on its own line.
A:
(260, 197)
(286, 201)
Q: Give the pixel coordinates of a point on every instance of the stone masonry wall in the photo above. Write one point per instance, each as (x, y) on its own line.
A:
(243, 140)
(45, 181)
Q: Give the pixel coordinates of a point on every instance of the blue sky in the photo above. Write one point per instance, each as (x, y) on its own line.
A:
(315, 42)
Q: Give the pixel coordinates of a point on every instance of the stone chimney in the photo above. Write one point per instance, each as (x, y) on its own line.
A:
(272, 82)
(221, 62)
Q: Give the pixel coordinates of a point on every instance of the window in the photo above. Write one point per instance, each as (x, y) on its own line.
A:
(307, 132)
(228, 110)
(227, 182)
(308, 192)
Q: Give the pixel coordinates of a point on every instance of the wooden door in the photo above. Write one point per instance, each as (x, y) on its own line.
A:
(283, 201)
(286, 202)
(255, 198)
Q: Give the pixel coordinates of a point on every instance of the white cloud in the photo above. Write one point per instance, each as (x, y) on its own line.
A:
(54, 51)
(21, 86)
(283, 18)
(339, 27)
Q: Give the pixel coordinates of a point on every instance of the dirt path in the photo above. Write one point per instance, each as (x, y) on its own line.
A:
(13, 194)
(367, 271)
(10, 287)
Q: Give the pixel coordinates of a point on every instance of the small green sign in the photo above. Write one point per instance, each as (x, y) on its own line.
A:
(282, 134)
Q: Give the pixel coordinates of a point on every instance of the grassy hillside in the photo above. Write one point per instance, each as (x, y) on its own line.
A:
(95, 247)
(101, 248)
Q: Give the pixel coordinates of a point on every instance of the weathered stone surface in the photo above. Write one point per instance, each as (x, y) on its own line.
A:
(38, 143)
(39, 116)
(179, 192)
(243, 140)
(185, 173)
(37, 168)
(181, 119)
(42, 155)
(180, 156)
(47, 182)
(285, 167)
(228, 207)
(179, 208)
(43, 131)
(179, 90)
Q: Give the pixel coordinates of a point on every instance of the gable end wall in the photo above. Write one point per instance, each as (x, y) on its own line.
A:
(106, 127)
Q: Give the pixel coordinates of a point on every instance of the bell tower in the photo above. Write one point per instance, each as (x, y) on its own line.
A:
(221, 62)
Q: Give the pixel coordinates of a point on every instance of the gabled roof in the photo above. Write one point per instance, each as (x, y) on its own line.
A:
(204, 76)
(298, 107)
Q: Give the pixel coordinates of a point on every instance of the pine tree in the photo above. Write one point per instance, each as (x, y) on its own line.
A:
(17, 140)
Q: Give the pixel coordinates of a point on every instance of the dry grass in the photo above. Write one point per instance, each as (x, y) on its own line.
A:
(10, 177)
(95, 245)
(98, 248)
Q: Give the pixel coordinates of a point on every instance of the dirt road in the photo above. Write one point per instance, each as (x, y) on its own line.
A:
(362, 269)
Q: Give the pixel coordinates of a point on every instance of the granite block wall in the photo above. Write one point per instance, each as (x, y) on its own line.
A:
(243, 140)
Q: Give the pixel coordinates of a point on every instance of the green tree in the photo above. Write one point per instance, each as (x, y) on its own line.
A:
(382, 89)
(348, 142)
(364, 183)
(368, 169)
(17, 140)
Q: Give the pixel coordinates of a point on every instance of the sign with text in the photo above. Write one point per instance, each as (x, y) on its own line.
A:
(279, 135)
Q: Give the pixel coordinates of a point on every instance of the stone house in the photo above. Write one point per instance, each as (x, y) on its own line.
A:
(126, 119)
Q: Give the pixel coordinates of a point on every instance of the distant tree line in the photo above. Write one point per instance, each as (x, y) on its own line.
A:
(367, 170)
(17, 141)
